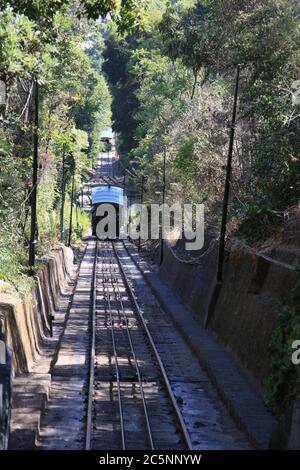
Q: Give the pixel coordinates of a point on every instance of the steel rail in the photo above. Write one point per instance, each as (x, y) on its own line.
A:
(138, 374)
(179, 417)
(92, 354)
(115, 357)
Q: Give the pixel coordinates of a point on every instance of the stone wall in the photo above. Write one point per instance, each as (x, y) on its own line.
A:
(253, 292)
(193, 283)
(25, 321)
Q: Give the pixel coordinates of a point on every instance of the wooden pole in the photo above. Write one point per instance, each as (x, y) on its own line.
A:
(33, 197)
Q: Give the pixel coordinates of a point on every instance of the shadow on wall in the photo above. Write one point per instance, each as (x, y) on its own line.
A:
(253, 292)
(26, 321)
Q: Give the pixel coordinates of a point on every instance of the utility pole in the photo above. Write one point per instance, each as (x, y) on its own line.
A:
(72, 200)
(227, 182)
(142, 202)
(161, 241)
(33, 196)
(124, 181)
(63, 195)
(2, 93)
(76, 205)
(217, 288)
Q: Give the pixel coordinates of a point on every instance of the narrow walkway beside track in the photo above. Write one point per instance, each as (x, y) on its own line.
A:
(63, 422)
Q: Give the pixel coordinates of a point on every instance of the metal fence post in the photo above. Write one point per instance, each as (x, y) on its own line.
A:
(219, 279)
(63, 191)
(142, 202)
(71, 201)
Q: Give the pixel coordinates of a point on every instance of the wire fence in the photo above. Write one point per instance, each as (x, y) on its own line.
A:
(199, 259)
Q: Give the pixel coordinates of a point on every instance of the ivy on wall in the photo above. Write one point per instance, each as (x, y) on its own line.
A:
(283, 382)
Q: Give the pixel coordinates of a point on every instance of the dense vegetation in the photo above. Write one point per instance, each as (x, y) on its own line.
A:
(172, 89)
(167, 77)
(74, 108)
(283, 382)
(175, 85)
(172, 86)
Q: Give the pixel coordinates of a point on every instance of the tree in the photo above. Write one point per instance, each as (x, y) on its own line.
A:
(128, 14)
(123, 85)
(73, 112)
(183, 33)
(263, 37)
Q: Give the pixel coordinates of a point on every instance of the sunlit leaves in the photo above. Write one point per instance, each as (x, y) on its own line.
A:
(58, 55)
(128, 14)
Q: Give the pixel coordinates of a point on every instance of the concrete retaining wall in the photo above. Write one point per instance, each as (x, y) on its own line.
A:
(26, 321)
(193, 283)
(254, 291)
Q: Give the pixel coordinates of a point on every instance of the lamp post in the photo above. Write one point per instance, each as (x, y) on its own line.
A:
(142, 201)
(161, 241)
(63, 194)
(33, 196)
(126, 179)
(76, 205)
(72, 199)
(2, 93)
(227, 182)
(217, 288)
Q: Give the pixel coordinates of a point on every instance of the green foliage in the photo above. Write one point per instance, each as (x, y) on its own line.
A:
(95, 115)
(283, 382)
(177, 84)
(183, 36)
(128, 14)
(36, 10)
(81, 224)
(47, 194)
(184, 157)
(50, 42)
(12, 255)
(123, 86)
(81, 221)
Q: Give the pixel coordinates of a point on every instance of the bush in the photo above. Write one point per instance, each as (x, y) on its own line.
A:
(13, 260)
(283, 383)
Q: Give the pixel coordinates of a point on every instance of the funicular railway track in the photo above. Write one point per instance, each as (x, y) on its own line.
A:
(130, 401)
(106, 172)
(124, 378)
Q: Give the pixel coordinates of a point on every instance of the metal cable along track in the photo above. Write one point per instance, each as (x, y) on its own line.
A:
(110, 254)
